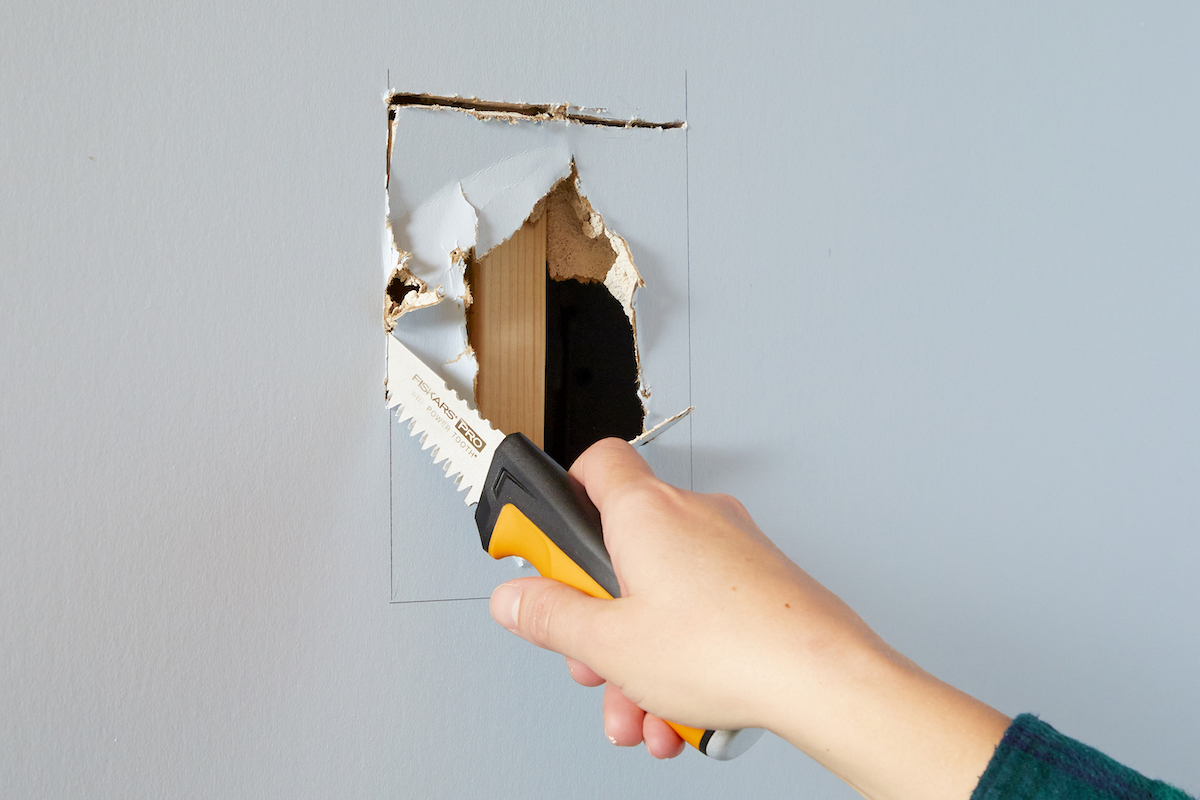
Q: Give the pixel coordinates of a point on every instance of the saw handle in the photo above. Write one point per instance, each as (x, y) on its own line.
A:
(531, 507)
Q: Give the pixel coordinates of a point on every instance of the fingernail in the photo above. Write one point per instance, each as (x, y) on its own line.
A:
(612, 739)
(506, 604)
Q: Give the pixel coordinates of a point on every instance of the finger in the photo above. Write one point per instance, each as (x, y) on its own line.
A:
(582, 673)
(607, 467)
(552, 615)
(661, 739)
(622, 719)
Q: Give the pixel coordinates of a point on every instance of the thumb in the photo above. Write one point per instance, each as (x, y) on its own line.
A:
(551, 615)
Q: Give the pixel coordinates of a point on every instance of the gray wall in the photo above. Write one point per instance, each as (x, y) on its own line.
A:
(956, 249)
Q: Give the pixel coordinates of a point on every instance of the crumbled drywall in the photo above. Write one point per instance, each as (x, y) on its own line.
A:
(576, 245)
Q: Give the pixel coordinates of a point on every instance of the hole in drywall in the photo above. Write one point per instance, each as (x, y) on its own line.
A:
(591, 369)
(404, 292)
(552, 325)
(399, 286)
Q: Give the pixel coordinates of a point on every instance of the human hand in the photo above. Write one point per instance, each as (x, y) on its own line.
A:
(708, 606)
(717, 628)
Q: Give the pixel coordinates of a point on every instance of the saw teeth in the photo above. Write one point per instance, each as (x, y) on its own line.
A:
(423, 424)
(435, 452)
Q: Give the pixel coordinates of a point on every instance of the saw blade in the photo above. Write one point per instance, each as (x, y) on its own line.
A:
(458, 439)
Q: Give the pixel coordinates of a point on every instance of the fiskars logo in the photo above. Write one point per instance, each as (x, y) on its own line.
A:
(471, 436)
(436, 400)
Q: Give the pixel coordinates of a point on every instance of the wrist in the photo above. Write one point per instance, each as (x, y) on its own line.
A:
(888, 728)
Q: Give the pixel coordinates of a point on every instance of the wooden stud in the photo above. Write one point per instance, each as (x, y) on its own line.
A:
(506, 324)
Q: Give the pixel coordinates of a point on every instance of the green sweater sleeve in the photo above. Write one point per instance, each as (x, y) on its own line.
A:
(1036, 762)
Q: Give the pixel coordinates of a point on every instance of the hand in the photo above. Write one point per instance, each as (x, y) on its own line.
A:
(650, 525)
(716, 628)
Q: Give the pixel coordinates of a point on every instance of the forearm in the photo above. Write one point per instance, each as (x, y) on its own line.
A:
(715, 627)
(889, 729)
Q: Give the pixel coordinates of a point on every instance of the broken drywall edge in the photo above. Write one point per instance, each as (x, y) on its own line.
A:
(521, 112)
(623, 279)
(436, 239)
(405, 291)
(622, 282)
(650, 435)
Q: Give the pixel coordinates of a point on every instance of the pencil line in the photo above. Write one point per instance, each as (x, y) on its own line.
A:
(391, 516)
(437, 600)
(687, 195)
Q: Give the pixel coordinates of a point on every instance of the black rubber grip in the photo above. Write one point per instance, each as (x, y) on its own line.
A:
(554, 501)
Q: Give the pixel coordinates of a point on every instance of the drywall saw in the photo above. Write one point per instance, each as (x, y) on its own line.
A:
(527, 505)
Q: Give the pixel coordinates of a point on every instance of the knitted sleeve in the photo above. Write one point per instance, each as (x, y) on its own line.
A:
(1036, 762)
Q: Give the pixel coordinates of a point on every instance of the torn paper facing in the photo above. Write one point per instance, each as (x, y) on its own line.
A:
(504, 195)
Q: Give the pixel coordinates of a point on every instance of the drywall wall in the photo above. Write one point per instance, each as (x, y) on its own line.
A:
(955, 247)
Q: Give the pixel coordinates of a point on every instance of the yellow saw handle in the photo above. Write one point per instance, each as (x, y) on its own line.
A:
(531, 507)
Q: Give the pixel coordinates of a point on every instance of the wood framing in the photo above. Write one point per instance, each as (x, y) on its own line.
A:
(506, 324)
